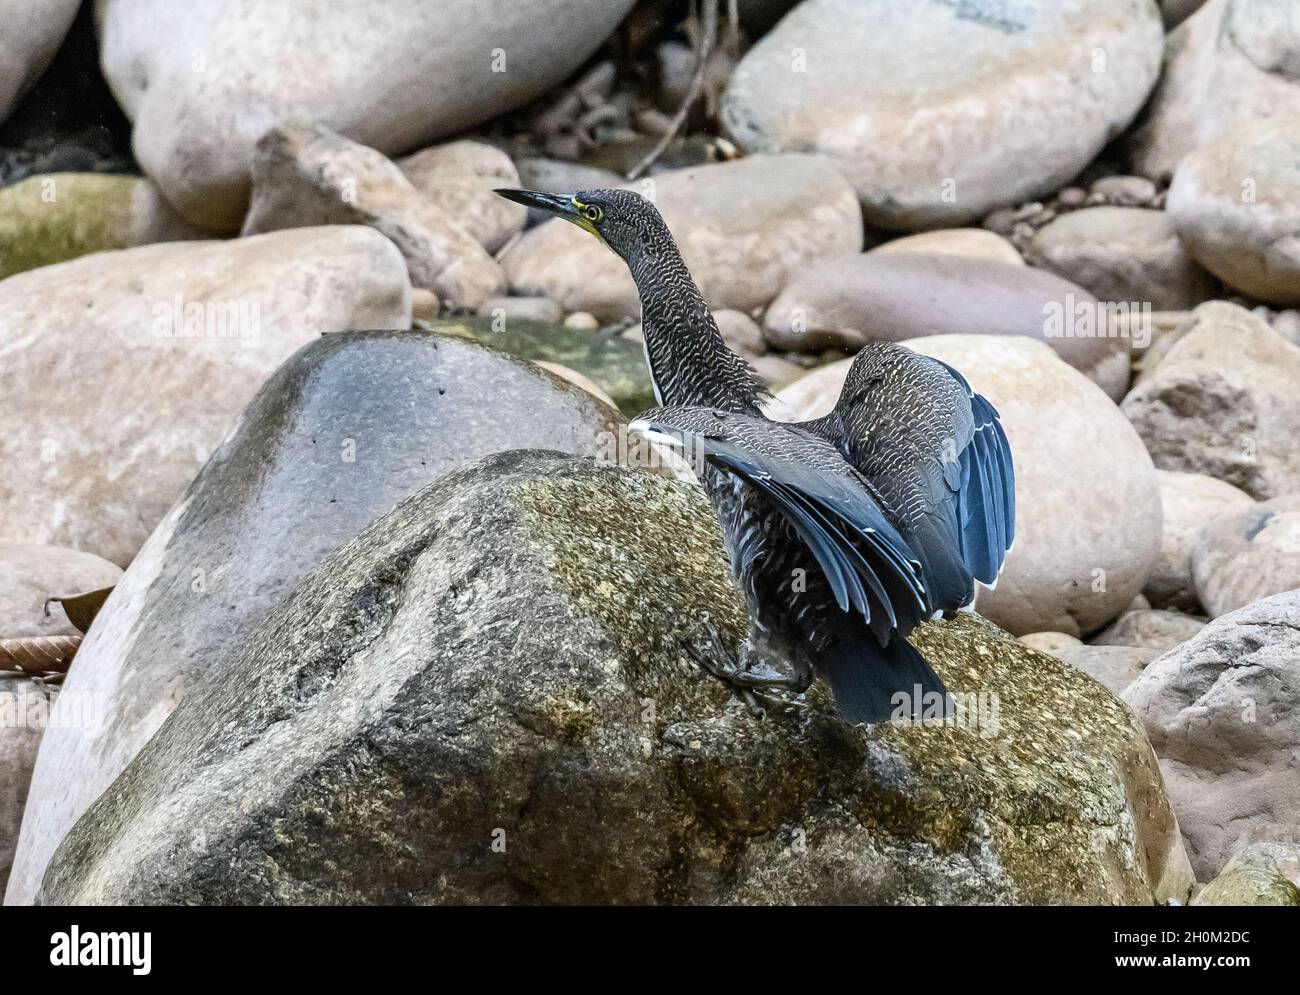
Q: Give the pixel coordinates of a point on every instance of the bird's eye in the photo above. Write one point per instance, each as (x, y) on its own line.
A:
(592, 212)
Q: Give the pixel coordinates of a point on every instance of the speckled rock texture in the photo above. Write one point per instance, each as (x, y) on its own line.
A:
(1261, 874)
(489, 697)
(1223, 402)
(348, 427)
(1223, 713)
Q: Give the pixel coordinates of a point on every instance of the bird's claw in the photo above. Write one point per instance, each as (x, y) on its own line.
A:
(715, 657)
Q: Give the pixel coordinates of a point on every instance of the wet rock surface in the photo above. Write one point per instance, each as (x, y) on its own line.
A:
(347, 428)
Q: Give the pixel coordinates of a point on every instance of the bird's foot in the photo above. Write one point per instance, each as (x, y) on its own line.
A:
(749, 676)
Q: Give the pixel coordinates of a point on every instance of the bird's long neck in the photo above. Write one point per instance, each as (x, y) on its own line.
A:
(689, 362)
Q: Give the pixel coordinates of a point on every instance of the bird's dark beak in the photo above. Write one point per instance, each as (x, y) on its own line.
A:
(558, 204)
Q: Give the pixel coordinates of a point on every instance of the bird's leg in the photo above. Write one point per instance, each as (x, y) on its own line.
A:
(764, 666)
(752, 673)
(714, 656)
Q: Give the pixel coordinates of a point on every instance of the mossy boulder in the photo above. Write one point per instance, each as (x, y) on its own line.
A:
(615, 364)
(490, 696)
(60, 216)
(1261, 874)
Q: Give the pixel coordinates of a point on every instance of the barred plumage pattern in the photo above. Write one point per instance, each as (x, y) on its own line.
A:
(844, 532)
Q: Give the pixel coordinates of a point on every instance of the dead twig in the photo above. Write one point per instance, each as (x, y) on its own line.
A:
(708, 37)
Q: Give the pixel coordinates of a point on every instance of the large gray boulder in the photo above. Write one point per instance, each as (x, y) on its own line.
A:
(939, 112)
(1223, 713)
(201, 81)
(490, 696)
(122, 370)
(346, 429)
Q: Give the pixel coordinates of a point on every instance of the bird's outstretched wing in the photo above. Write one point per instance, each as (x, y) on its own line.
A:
(986, 490)
(936, 452)
(868, 564)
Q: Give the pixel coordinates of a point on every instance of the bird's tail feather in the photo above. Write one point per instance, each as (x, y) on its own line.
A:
(867, 679)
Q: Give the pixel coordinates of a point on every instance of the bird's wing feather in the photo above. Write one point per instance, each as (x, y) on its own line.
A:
(870, 567)
(986, 498)
(936, 452)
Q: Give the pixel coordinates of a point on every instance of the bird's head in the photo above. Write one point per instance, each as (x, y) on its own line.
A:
(622, 219)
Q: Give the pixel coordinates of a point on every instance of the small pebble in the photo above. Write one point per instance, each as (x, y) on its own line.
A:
(581, 319)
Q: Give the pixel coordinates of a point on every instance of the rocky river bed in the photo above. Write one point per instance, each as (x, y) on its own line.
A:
(399, 613)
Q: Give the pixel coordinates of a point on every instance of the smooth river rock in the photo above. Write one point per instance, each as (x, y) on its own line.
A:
(1113, 667)
(1230, 62)
(460, 178)
(743, 227)
(1087, 502)
(848, 301)
(1244, 557)
(348, 427)
(1236, 203)
(940, 112)
(1223, 402)
(1223, 713)
(976, 243)
(307, 175)
(123, 370)
(1191, 502)
(444, 709)
(202, 81)
(1149, 628)
(1129, 254)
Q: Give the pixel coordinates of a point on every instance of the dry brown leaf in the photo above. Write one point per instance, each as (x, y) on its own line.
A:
(38, 654)
(81, 609)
